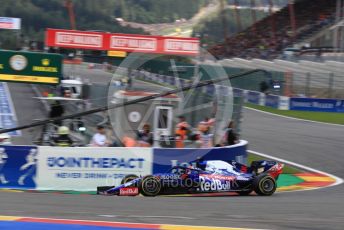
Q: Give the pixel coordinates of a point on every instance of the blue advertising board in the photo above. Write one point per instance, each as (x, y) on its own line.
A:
(238, 92)
(18, 166)
(253, 97)
(317, 104)
(164, 159)
(272, 101)
(210, 89)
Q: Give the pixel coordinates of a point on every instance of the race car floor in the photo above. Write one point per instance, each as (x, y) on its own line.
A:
(28, 223)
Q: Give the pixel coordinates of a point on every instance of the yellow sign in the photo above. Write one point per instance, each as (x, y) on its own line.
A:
(37, 79)
(115, 53)
(45, 62)
(44, 69)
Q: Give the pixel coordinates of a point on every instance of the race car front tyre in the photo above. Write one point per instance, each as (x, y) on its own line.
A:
(150, 186)
(264, 185)
(129, 178)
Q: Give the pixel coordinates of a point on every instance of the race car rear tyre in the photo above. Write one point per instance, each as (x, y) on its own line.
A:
(150, 186)
(264, 185)
(129, 178)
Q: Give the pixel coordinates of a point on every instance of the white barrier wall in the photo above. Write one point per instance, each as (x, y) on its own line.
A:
(85, 168)
(283, 103)
(274, 101)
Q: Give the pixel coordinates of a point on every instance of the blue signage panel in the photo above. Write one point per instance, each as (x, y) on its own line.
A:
(238, 92)
(272, 101)
(164, 159)
(316, 104)
(253, 97)
(18, 166)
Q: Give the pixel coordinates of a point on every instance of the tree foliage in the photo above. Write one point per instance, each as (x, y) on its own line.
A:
(37, 15)
(212, 31)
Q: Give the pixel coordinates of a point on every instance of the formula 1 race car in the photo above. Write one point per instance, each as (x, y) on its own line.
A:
(204, 177)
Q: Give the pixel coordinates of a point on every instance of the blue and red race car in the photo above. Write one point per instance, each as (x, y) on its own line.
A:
(205, 177)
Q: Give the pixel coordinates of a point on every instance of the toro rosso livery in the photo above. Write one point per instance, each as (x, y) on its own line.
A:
(205, 177)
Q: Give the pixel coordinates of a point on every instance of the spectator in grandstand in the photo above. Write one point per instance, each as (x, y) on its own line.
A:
(268, 37)
(208, 122)
(129, 142)
(145, 136)
(205, 137)
(63, 139)
(182, 130)
(99, 139)
(230, 138)
(182, 123)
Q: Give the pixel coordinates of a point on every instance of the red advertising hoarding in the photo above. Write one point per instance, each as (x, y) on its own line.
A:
(121, 42)
(74, 39)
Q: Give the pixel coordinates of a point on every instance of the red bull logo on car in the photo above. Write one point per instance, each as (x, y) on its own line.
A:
(214, 184)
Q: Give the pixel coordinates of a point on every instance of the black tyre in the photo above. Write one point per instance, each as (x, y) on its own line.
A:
(264, 185)
(150, 186)
(128, 178)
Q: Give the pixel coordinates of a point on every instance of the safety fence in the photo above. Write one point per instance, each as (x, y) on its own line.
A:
(85, 168)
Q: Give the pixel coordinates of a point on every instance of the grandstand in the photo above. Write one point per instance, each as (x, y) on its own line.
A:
(291, 25)
(303, 41)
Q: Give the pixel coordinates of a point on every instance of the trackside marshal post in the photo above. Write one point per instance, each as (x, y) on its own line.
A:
(30, 67)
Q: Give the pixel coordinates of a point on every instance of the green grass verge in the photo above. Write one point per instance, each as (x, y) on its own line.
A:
(333, 118)
(286, 170)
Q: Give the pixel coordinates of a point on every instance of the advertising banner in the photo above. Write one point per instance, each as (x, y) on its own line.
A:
(272, 101)
(133, 43)
(74, 39)
(18, 167)
(10, 23)
(317, 104)
(238, 92)
(85, 168)
(121, 42)
(30, 67)
(187, 46)
(164, 159)
(253, 97)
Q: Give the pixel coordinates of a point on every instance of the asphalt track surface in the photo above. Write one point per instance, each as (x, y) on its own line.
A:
(27, 109)
(316, 145)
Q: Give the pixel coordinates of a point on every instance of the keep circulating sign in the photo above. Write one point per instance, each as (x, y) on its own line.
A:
(134, 116)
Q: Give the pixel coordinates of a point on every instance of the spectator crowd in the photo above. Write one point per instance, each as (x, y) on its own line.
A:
(267, 38)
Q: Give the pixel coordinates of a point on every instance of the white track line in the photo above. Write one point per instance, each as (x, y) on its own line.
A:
(293, 118)
(338, 179)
